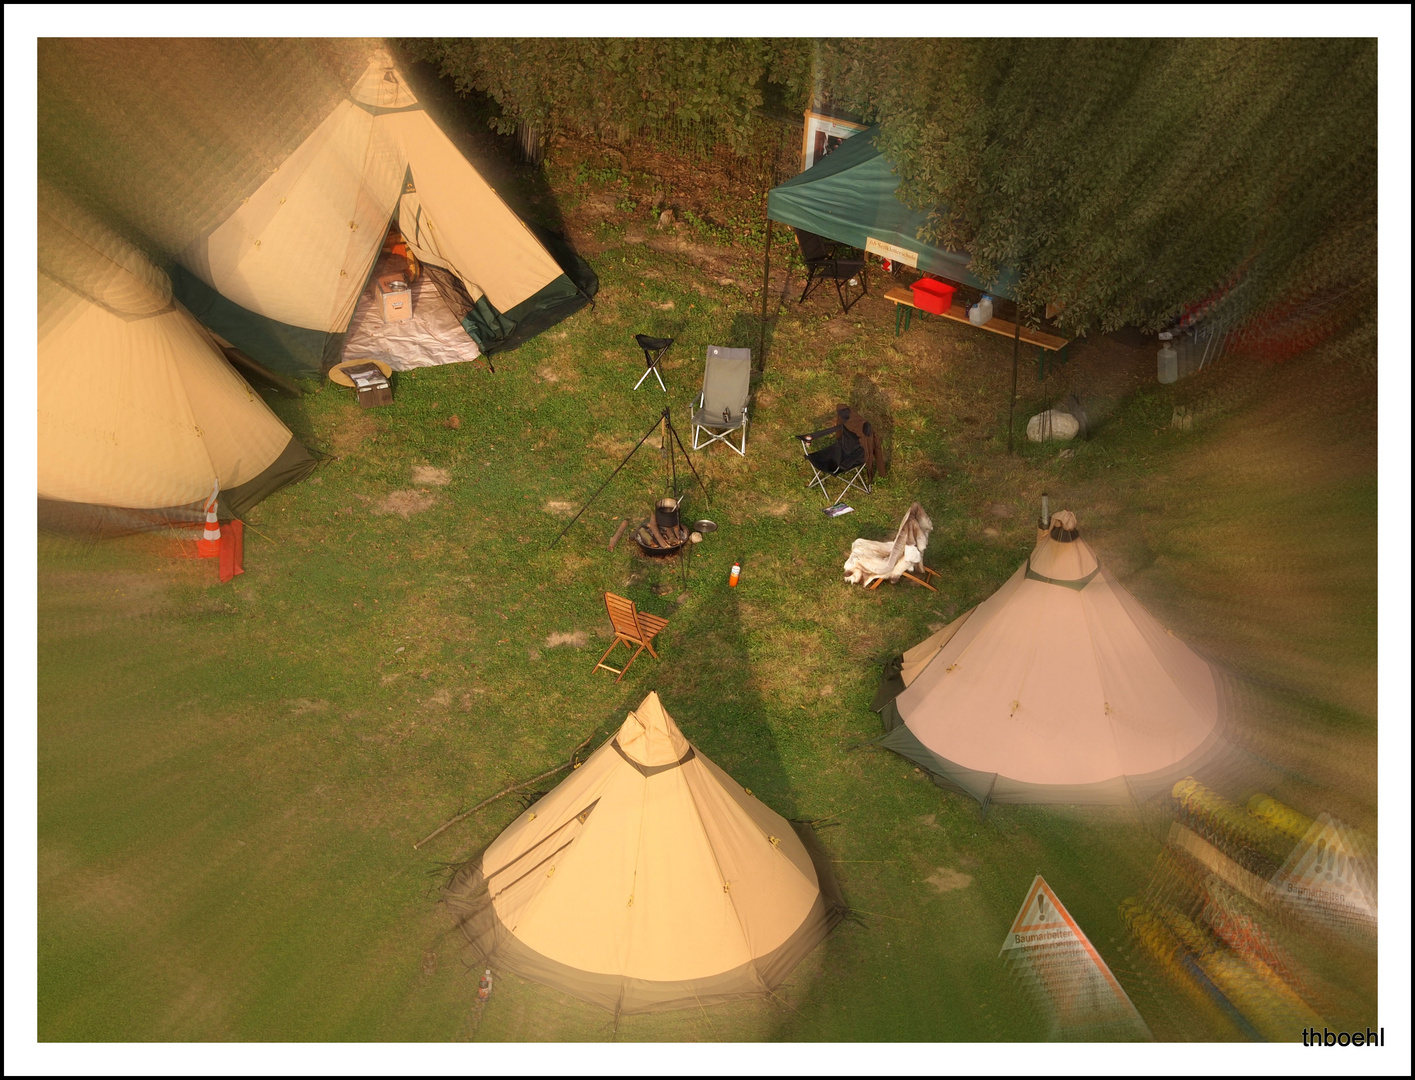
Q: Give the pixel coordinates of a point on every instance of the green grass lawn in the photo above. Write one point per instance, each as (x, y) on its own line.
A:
(231, 777)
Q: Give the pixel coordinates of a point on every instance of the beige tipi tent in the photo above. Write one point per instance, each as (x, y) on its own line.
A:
(270, 170)
(281, 275)
(1059, 687)
(140, 415)
(649, 879)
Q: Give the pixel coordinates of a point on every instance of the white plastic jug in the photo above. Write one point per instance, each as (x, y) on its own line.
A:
(980, 312)
(1168, 363)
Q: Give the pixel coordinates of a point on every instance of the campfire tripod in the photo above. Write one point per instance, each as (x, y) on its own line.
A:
(668, 430)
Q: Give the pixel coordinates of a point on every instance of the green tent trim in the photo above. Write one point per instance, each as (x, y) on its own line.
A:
(850, 196)
(290, 350)
(496, 331)
(95, 520)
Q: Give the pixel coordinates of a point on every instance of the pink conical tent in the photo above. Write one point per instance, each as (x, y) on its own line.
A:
(1060, 687)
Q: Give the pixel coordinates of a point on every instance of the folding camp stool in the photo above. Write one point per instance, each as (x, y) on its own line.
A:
(853, 476)
(654, 348)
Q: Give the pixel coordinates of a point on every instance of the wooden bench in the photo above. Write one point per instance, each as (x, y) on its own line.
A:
(903, 300)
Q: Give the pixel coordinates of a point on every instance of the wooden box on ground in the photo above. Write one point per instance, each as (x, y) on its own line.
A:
(396, 297)
(371, 385)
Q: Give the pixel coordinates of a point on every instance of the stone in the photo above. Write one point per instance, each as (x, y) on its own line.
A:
(665, 219)
(1052, 424)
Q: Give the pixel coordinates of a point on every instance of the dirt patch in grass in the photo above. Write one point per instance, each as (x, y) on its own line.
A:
(406, 503)
(945, 879)
(429, 475)
(559, 507)
(574, 638)
(352, 430)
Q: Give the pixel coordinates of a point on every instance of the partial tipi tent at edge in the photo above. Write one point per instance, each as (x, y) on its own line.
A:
(139, 413)
(1058, 688)
(280, 276)
(648, 879)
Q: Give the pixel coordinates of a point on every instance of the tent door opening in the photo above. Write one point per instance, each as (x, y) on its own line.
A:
(428, 336)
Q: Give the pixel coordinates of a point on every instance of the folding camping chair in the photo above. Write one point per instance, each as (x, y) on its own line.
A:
(823, 264)
(850, 458)
(722, 405)
(631, 627)
(654, 348)
(873, 561)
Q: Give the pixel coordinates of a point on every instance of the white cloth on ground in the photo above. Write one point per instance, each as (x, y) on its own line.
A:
(871, 560)
(432, 336)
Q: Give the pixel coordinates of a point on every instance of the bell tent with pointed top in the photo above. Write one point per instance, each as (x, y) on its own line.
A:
(202, 148)
(648, 879)
(1058, 688)
(139, 413)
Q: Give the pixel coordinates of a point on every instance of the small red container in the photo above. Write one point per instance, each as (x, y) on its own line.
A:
(932, 295)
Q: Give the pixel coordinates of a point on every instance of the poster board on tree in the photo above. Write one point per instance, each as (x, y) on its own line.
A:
(822, 135)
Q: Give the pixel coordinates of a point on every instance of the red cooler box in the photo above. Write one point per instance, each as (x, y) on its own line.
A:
(932, 295)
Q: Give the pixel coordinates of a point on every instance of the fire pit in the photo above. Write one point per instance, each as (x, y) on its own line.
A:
(662, 534)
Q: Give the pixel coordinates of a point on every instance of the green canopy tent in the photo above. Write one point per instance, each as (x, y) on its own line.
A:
(850, 197)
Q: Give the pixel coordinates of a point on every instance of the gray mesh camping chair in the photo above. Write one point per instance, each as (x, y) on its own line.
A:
(722, 406)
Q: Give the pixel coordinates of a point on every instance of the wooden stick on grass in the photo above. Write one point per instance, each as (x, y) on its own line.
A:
(253, 529)
(514, 787)
(618, 533)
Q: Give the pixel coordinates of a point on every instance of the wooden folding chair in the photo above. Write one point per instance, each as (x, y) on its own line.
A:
(929, 575)
(631, 627)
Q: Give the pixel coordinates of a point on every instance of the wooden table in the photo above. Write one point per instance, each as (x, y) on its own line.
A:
(1049, 344)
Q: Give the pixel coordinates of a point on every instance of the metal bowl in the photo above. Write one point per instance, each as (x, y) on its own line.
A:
(704, 526)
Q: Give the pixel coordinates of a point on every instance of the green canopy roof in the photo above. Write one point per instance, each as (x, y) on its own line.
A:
(849, 196)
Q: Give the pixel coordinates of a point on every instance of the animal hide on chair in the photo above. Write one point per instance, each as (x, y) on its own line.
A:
(871, 560)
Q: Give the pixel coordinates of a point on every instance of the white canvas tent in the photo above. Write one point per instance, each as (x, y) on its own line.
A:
(1060, 687)
(649, 879)
(139, 413)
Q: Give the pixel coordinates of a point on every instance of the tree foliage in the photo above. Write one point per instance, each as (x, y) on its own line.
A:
(1128, 180)
(624, 87)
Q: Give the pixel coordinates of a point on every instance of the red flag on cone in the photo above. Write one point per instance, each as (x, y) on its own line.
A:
(209, 546)
(232, 538)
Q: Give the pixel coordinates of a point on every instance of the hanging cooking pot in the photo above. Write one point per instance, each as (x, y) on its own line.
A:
(665, 514)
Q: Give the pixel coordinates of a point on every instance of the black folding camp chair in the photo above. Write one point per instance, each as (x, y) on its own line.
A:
(844, 459)
(824, 264)
(654, 348)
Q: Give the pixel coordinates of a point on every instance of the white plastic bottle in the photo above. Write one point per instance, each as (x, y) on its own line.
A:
(980, 312)
(1168, 360)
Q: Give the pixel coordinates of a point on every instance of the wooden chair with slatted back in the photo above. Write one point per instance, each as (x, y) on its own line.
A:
(631, 627)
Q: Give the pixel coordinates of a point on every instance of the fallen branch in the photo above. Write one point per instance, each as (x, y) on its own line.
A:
(618, 533)
(514, 787)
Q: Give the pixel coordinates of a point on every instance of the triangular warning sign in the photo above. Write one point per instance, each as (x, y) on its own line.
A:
(1331, 869)
(1051, 953)
(1041, 911)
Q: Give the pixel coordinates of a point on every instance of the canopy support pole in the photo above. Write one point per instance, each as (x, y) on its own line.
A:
(766, 286)
(1012, 408)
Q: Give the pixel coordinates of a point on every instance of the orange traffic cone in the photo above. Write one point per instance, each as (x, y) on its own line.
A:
(209, 546)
